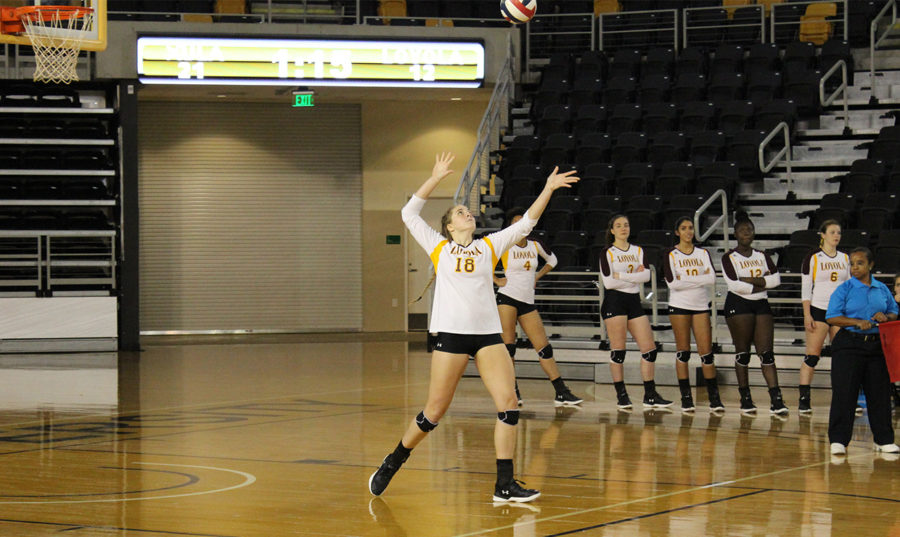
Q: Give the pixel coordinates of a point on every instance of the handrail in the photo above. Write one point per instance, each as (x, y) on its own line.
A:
(687, 10)
(845, 17)
(654, 296)
(571, 30)
(479, 163)
(784, 152)
(722, 219)
(660, 28)
(842, 89)
(873, 43)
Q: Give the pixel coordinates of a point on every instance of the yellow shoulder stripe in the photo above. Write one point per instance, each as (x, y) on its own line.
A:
(493, 253)
(436, 253)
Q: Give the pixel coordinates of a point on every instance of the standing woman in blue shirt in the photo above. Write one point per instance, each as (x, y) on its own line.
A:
(857, 306)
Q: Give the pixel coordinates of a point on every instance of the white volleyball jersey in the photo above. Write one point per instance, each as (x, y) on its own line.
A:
(758, 265)
(689, 277)
(820, 275)
(520, 266)
(464, 300)
(626, 263)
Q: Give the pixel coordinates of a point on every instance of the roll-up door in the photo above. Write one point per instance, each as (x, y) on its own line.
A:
(250, 217)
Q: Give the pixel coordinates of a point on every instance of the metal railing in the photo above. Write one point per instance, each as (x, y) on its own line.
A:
(722, 219)
(478, 170)
(571, 32)
(840, 18)
(569, 304)
(39, 261)
(875, 40)
(785, 152)
(687, 27)
(636, 23)
(841, 90)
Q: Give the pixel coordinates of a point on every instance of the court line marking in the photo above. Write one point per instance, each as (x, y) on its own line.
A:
(651, 498)
(249, 479)
(208, 405)
(663, 512)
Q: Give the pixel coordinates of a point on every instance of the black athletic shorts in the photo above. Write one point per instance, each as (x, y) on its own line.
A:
(735, 305)
(616, 303)
(465, 343)
(521, 307)
(817, 314)
(681, 311)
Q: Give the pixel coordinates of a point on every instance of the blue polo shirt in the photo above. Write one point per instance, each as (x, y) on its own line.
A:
(856, 300)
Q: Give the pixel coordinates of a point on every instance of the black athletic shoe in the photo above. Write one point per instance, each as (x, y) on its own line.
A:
(655, 400)
(687, 403)
(623, 402)
(382, 476)
(566, 399)
(803, 406)
(514, 492)
(778, 406)
(747, 406)
(715, 403)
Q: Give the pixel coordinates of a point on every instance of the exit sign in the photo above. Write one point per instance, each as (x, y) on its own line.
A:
(303, 99)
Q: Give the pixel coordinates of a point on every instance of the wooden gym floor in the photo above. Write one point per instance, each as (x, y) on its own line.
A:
(225, 438)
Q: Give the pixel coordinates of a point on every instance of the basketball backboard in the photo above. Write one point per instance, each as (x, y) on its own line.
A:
(93, 39)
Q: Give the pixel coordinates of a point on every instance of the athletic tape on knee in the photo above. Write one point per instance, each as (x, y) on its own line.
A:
(767, 358)
(424, 423)
(649, 356)
(708, 359)
(511, 348)
(510, 417)
(617, 356)
(683, 356)
(546, 353)
(811, 360)
(742, 358)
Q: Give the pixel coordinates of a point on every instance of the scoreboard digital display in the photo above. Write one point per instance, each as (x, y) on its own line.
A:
(310, 62)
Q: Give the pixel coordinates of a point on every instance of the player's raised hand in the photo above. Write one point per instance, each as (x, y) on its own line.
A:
(561, 180)
(442, 166)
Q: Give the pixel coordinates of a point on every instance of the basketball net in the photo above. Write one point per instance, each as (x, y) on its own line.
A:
(56, 37)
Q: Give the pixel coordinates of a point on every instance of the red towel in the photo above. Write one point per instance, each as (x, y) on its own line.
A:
(890, 343)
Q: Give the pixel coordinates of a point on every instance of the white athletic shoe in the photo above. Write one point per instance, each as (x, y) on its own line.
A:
(838, 449)
(887, 448)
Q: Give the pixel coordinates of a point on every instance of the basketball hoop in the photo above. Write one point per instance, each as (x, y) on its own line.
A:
(56, 34)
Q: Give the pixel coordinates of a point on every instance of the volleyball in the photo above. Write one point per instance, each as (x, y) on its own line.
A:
(518, 11)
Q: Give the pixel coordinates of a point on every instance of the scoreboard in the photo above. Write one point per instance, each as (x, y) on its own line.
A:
(310, 62)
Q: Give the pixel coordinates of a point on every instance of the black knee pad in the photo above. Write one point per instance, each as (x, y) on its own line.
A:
(510, 417)
(708, 359)
(742, 358)
(767, 358)
(424, 423)
(617, 356)
(811, 360)
(649, 356)
(546, 353)
(683, 356)
(511, 348)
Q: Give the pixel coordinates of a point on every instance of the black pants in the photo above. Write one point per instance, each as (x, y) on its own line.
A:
(859, 362)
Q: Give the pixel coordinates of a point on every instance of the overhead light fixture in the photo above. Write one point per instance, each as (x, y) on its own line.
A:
(455, 98)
